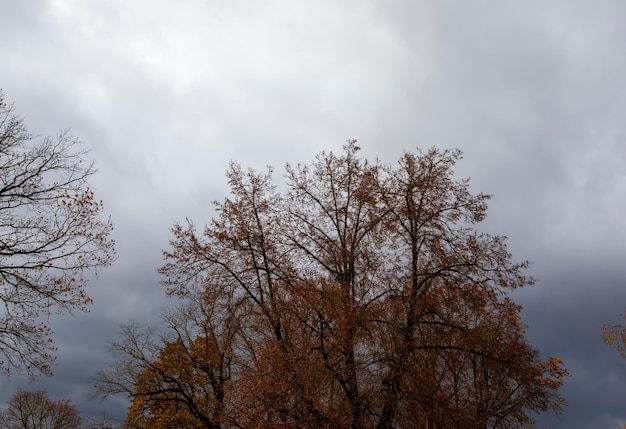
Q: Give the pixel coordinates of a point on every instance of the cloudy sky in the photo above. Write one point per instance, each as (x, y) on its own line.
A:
(165, 94)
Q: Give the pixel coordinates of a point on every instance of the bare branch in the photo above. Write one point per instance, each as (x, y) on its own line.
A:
(51, 235)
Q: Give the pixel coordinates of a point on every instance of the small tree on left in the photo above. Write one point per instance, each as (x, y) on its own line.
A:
(51, 234)
(35, 410)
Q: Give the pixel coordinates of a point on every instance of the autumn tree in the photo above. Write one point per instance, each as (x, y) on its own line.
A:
(483, 376)
(175, 379)
(364, 298)
(35, 410)
(450, 285)
(51, 233)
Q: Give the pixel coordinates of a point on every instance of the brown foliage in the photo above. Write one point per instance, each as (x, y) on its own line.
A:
(50, 234)
(362, 297)
(615, 335)
(171, 393)
(35, 410)
(175, 381)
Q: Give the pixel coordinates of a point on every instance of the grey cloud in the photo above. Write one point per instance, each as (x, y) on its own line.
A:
(532, 92)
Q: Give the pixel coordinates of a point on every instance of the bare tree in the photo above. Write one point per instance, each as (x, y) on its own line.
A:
(35, 410)
(51, 232)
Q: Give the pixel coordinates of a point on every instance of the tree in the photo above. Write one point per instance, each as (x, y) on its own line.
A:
(35, 410)
(175, 380)
(363, 297)
(615, 335)
(485, 376)
(50, 234)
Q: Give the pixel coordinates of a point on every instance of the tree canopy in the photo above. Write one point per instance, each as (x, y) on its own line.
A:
(362, 296)
(35, 410)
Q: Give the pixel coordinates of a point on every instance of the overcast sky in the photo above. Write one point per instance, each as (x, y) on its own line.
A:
(166, 93)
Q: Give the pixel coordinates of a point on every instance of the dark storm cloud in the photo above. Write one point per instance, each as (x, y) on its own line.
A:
(532, 92)
(565, 314)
